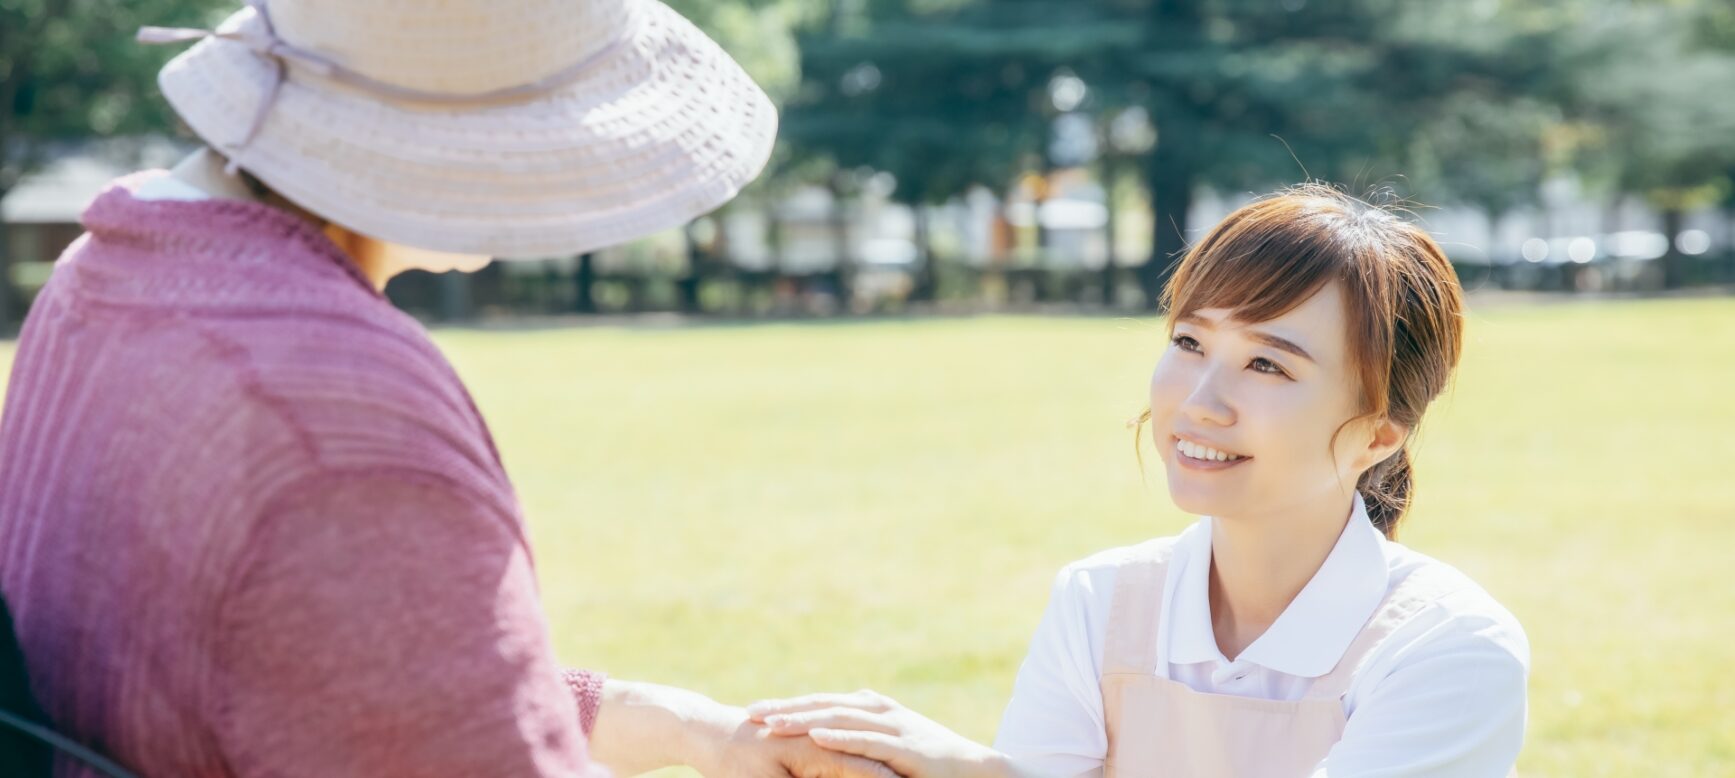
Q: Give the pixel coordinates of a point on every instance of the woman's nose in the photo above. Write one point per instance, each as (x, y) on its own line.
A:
(1205, 404)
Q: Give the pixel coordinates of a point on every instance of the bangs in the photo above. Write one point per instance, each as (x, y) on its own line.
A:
(1265, 258)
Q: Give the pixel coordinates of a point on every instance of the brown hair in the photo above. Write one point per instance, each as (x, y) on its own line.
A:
(1401, 297)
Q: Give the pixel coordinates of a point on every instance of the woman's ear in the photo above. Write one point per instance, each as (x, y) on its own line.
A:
(1388, 436)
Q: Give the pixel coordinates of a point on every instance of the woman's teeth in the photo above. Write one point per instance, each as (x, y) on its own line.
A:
(1197, 451)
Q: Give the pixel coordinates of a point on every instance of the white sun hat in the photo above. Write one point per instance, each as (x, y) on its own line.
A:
(512, 128)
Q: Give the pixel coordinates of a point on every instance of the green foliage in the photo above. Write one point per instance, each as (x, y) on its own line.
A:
(1656, 106)
(1472, 102)
(1243, 95)
(757, 33)
(942, 105)
(70, 70)
(1466, 102)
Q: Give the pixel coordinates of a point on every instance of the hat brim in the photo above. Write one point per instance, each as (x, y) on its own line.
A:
(665, 128)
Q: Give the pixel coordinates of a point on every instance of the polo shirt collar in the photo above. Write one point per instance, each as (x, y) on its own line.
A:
(1314, 631)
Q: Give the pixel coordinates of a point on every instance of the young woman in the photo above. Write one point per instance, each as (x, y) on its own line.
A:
(251, 522)
(1286, 634)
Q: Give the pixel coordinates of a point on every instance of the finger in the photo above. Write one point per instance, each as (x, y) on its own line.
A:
(835, 764)
(804, 758)
(850, 766)
(829, 718)
(877, 746)
(865, 699)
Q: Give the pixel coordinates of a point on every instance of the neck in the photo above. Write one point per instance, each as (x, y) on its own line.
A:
(1259, 564)
(376, 263)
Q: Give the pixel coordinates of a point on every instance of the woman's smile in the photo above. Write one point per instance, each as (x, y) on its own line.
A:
(1198, 456)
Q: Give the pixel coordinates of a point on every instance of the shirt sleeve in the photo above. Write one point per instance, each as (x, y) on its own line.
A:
(387, 623)
(586, 686)
(1454, 706)
(1054, 721)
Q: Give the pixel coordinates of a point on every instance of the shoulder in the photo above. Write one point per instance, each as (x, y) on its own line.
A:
(338, 357)
(338, 392)
(1458, 617)
(1097, 572)
(1083, 590)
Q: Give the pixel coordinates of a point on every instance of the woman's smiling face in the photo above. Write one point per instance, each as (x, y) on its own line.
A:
(1267, 397)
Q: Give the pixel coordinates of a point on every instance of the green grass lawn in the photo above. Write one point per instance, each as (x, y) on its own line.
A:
(768, 510)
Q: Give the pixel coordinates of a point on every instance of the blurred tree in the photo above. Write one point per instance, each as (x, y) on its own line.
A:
(1657, 110)
(902, 101)
(759, 34)
(1718, 32)
(933, 153)
(1344, 85)
(1484, 154)
(70, 71)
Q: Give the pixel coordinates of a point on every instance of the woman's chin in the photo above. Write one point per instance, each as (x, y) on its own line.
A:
(1194, 498)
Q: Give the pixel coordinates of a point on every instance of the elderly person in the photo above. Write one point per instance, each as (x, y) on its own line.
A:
(252, 522)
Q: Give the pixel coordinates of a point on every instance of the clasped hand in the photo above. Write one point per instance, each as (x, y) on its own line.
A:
(875, 727)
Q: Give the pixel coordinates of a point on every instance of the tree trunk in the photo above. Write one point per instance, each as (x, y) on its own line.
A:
(1110, 273)
(1674, 263)
(13, 164)
(6, 292)
(687, 286)
(1729, 246)
(1171, 166)
(1044, 241)
(454, 295)
(774, 238)
(584, 284)
(784, 289)
(927, 278)
(844, 266)
(1169, 174)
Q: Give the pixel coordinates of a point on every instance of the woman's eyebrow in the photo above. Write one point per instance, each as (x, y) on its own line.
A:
(1281, 344)
(1274, 341)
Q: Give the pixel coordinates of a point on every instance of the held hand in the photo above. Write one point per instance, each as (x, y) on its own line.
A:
(644, 727)
(747, 749)
(871, 725)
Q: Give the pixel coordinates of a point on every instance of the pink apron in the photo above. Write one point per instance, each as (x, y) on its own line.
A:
(1159, 727)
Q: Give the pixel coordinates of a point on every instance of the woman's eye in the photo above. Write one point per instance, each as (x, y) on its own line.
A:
(1259, 364)
(1263, 365)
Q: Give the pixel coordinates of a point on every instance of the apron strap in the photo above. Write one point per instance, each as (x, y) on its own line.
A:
(1130, 641)
(1419, 589)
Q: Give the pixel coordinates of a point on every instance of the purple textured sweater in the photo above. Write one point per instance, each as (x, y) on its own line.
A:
(251, 523)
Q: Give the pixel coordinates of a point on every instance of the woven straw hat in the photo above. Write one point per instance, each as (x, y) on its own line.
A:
(513, 128)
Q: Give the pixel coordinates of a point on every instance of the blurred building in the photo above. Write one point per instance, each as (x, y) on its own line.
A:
(40, 214)
(1057, 225)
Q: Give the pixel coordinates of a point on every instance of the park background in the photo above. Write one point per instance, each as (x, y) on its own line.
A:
(843, 432)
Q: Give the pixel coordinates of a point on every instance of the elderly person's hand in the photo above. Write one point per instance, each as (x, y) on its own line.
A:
(871, 725)
(644, 726)
(751, 750)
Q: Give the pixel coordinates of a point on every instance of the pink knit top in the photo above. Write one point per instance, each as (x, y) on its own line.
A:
(251, 523)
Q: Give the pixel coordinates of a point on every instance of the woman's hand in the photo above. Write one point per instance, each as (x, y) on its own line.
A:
(740, 748)
(643, 727)
(871, 725)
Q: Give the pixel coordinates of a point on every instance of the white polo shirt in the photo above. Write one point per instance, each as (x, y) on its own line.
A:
(1443, 696)
(167, 187)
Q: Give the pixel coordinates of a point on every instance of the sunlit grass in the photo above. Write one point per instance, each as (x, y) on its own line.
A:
(773, 509)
